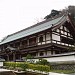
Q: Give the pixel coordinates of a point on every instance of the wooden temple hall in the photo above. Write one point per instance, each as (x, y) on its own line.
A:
(49, 37)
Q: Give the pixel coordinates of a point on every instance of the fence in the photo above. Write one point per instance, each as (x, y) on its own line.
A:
(63, 66)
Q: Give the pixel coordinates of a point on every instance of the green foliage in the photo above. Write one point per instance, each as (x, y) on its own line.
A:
(42, 68)
(9, 64)
(18, 68)
(71, 10)
(64, 71)
(28, 58)
(42, 62)
(24, 66)
(72, 48)
(52, 14)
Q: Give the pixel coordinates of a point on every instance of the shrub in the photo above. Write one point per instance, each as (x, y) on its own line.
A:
(43, 62)
(18, 69)
(23, 66)
(10, 64)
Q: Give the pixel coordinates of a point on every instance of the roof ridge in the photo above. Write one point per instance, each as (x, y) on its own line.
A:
(26, 31)
(50, 19)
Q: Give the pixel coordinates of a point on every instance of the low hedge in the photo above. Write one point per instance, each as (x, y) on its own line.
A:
(39, 67)
(25, 66)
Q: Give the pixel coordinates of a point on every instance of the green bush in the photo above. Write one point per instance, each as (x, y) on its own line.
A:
(24, 66)
(43, 62)
(10, 64)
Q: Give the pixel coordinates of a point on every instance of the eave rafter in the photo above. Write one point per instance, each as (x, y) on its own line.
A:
(68, 23)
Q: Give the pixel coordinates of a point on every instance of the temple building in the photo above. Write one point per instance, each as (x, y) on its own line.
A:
(48, 38)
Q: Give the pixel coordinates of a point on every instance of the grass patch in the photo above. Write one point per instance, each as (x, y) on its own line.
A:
(64, 71)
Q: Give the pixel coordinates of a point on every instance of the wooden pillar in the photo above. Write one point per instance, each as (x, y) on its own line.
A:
(45, 38)
(7, 57)
(20, 57)
(20, 43)
(38, 54)
(28, 41)
(36, 39)
(44, 53)
(51, 36)
(14, 58)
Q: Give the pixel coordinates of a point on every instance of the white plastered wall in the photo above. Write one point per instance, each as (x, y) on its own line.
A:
(60, 59)
(48, 38)
(55, 37)
(1, 63)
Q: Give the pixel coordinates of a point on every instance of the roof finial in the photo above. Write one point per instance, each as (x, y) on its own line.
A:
(52, 24)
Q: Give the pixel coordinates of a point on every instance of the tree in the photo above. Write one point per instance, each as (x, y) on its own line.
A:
(52, 14)
(72, 48)
(42, 62)
(71, 10)
(28, 58)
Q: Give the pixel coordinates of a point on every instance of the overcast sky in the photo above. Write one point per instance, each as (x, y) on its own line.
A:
(16, 15)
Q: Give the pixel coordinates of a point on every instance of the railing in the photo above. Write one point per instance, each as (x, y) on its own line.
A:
(44, 42)
(34, 44)
(61, 43)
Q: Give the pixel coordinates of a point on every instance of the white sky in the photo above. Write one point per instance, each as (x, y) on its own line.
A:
(16, 15)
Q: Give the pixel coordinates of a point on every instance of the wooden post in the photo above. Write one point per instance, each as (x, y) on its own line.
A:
(7, 57)
(20, 56)
(28, 41)
(14, 56)
(45, 38)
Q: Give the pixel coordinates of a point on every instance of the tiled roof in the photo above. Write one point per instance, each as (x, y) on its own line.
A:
(32, 30)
